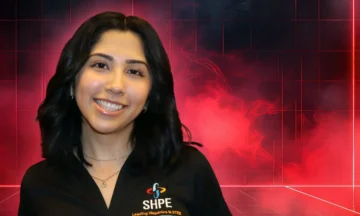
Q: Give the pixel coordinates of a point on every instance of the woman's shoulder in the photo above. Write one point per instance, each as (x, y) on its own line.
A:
(194, 159)
(37, 173)
(191, 152)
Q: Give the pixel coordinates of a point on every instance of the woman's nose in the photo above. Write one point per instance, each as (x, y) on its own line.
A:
(116, 83)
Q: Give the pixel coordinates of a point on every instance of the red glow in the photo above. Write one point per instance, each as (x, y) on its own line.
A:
(353, 102)
(9, 186)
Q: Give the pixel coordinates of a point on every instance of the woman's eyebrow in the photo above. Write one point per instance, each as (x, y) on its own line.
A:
(128, 61)
(135, 61)
(109, 57)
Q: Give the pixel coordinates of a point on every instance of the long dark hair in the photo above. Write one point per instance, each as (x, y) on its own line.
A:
(158, 133)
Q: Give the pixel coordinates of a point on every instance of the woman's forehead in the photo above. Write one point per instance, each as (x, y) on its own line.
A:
(120, 45)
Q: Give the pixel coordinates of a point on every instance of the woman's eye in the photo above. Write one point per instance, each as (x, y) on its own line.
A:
(100, 65)
(135, 72)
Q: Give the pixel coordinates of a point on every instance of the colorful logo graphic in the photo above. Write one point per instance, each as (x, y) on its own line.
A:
(156, 190)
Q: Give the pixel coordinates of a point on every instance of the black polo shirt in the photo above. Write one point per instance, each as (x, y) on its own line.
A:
(189, 188)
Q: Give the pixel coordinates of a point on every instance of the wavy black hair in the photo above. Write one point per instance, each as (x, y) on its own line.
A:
(157, 136)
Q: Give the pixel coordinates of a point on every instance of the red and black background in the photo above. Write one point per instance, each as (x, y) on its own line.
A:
(269, 87)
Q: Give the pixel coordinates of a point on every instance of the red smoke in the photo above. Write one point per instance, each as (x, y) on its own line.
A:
(223, 121)
(327, 160)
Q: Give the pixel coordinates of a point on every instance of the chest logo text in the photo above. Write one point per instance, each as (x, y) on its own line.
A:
(156, 203)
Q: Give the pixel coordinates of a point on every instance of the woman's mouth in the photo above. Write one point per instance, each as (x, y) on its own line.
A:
(108, 106)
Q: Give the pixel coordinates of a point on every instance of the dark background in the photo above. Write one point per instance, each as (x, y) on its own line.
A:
(295, 54)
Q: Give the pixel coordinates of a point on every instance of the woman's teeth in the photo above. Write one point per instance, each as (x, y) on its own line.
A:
(109, 106)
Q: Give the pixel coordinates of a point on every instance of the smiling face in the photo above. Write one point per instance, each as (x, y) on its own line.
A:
(112, 87)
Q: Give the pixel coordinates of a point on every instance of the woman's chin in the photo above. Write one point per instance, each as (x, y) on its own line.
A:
(105, 129)
(100, 126)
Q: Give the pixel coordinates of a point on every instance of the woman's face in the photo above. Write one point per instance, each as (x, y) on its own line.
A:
(113, 85)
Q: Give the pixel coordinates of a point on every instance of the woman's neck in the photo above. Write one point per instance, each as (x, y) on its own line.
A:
(106, 146)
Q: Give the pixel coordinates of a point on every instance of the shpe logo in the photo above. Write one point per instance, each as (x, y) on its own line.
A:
(156, 190)
(156, 203)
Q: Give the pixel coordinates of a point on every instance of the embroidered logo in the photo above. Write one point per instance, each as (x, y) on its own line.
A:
(156, 190)
(156, 205)
(156, 202)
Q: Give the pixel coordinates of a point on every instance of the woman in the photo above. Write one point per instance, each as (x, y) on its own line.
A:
(111, 134)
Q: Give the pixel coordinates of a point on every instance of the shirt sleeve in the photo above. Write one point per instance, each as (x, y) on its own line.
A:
(208, 192)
